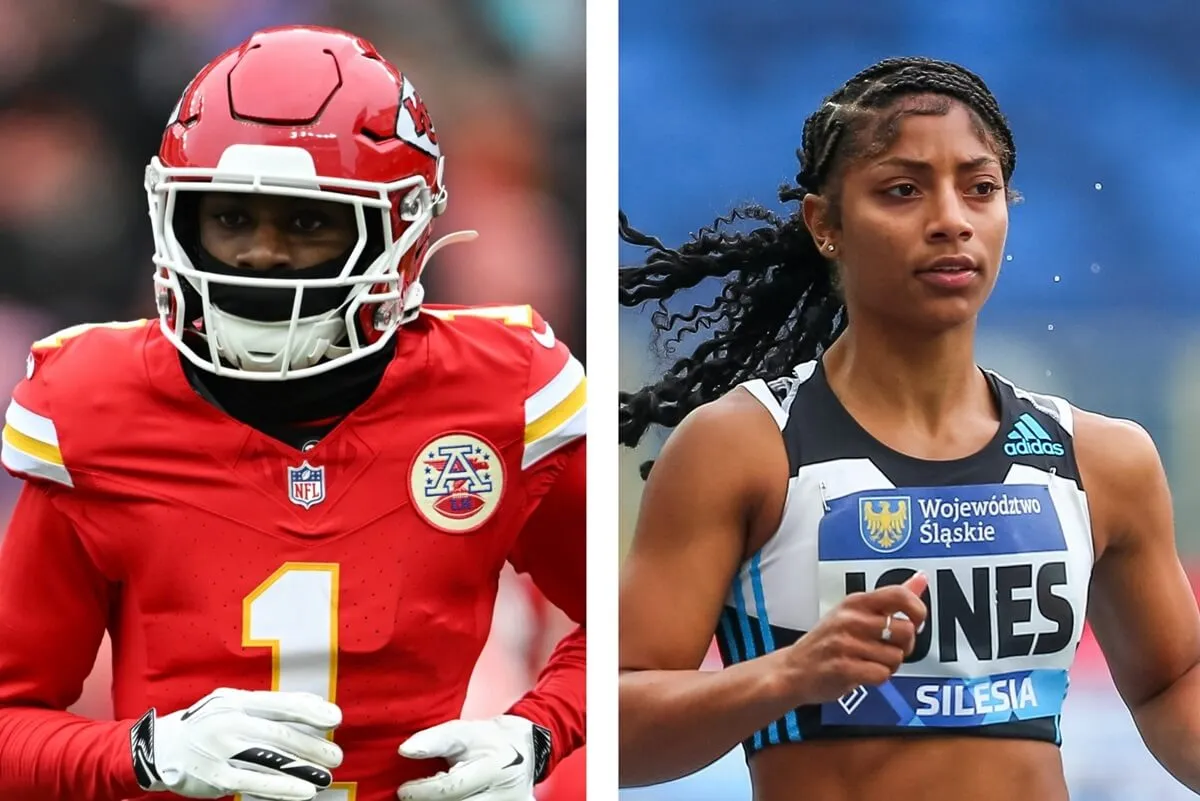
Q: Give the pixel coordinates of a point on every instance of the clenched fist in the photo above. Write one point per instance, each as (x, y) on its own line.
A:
(862, 641)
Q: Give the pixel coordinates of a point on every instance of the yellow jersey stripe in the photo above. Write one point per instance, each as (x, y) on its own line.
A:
(510, 315)
(33, 447)
(57, 339)
(555, 390)
(31, 424)
(573, 429)
(567, 408)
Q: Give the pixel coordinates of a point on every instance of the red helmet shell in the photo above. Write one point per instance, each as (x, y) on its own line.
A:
(320, 89)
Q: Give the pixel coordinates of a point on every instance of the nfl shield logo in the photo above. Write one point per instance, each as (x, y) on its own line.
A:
(306, 485)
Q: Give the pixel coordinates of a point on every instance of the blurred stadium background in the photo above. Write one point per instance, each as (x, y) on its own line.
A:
(1100, 296)
(86, 87)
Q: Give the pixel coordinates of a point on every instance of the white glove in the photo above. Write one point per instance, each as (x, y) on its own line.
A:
(490, 760)
(236, 741)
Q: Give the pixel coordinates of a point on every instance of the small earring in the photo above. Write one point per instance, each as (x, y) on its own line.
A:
(830, 248)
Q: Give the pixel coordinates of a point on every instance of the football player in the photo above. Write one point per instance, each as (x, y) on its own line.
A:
(290, 497)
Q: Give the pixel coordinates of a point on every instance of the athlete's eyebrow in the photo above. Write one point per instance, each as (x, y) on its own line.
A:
(917, 165)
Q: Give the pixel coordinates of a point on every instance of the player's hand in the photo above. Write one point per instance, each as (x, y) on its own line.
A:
(235, 741)
(847, 648)
(490, 760)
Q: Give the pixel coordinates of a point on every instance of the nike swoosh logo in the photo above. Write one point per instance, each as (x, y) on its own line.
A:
(195, 709)
(545, 338)
(519, 760)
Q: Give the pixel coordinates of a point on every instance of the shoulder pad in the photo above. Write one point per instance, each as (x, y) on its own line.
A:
(31, 447)
(556, 395)
(556, 407)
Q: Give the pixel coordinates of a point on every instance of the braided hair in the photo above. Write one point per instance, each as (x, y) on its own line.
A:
(779, 304)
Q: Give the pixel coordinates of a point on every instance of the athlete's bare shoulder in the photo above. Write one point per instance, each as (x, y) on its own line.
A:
(1117, 452)
(1120, 466)
(735, 415)
(735, 438)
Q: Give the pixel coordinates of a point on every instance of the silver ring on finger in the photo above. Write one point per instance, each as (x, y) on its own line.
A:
(886, 636)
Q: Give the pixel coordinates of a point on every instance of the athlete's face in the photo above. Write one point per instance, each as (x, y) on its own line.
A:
(261, 232)
(922, 225)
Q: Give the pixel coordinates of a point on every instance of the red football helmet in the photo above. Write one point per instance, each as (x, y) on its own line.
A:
(303, 112)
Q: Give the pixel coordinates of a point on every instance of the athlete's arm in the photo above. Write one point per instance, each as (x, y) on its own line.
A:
(710, 481)
(54, 604)
(552, 549)
(1141, 606)
(504, 757)
(716, 495)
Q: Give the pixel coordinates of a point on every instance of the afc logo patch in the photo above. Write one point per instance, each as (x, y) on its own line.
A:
(306, 485)
(885, 521)
(456, 482)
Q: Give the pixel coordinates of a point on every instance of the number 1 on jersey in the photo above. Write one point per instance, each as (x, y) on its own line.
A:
(295, 614)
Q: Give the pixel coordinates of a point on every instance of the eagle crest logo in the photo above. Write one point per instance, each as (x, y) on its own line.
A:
(885, 522)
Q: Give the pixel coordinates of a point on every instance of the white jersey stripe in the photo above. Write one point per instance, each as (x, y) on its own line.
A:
(30, 445)
(572, 429)
(1058, 408)
(31, 424)
(555, 392)
(21, 462)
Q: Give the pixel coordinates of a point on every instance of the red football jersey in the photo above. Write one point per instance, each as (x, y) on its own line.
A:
(363, 569)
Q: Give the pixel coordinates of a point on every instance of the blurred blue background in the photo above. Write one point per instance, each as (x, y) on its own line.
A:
(1099, 299)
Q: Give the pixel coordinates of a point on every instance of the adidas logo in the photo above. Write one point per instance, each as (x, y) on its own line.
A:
(1028, 437)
